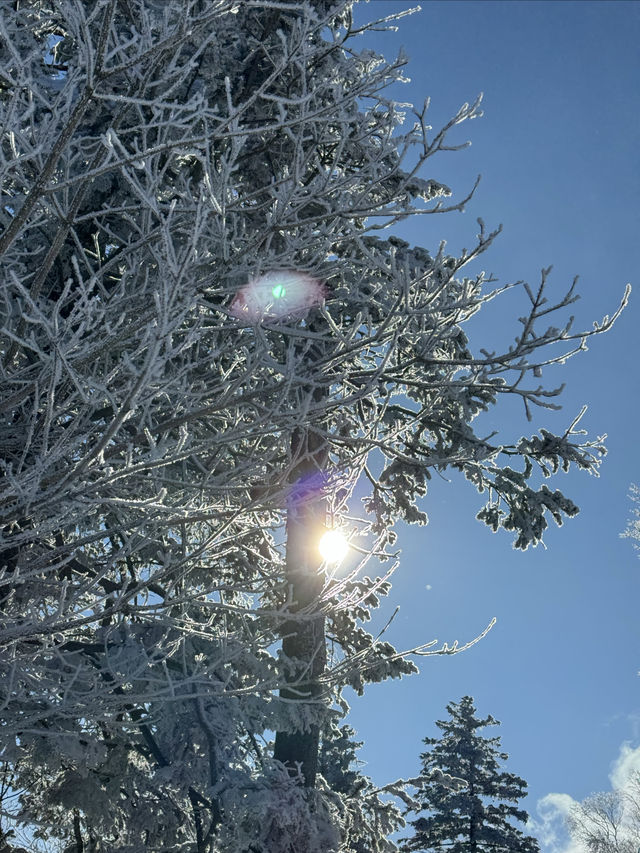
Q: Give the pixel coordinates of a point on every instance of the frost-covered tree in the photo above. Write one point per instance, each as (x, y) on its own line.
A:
(632, 530)
(609, 821)
(203, 340)
(370, 818)
(633, 527)
(474, 816)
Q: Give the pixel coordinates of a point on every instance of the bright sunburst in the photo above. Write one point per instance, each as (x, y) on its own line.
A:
(333, 546)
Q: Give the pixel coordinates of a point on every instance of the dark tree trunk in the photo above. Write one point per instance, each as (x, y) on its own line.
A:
(303, 634)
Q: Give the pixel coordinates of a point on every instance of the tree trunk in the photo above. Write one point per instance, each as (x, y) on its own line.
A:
(303, 635)
(473, 844)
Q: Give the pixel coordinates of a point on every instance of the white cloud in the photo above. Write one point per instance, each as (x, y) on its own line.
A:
(627, 763)
(549, 825)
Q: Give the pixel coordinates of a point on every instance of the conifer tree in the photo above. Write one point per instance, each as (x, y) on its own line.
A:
(473, 817)
(370, 819)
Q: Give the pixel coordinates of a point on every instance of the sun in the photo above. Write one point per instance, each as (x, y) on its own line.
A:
(333, 546)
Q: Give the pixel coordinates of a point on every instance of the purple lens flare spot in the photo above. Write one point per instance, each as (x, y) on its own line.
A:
(276, 294)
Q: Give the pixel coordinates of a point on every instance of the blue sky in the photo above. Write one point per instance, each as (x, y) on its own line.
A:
(558, 152)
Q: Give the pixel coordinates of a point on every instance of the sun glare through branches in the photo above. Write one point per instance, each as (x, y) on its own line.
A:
(333, 546)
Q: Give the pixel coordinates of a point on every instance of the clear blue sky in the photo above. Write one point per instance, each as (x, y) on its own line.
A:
(558, 152)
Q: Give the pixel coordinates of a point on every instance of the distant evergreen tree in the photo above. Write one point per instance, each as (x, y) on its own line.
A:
(338, 759)
(368, 820)
(462, 821)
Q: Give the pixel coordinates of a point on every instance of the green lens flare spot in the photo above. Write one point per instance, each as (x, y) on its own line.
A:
(278, 291)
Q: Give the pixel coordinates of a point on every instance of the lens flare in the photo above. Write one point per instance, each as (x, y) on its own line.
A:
(333, 546)
(281, 293)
